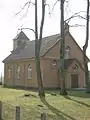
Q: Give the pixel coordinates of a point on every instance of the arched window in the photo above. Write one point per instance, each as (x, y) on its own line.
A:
(75, 67)
(54, 63)
(9, 72)
(29, 72)
(67, 52)
(18, 72)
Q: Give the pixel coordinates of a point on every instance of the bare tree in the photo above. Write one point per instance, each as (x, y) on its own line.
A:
(84, 50)
(38, 40)
(62, 49)
(37, 47)
(62, 41)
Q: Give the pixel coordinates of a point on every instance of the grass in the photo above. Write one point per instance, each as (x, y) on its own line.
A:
(76, 106)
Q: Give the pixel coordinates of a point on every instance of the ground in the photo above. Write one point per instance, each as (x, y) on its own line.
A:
(76, 106)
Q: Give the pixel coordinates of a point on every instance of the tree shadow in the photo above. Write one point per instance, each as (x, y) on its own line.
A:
(61, 115)
(77, 101)
(79, 93)
(74, 93)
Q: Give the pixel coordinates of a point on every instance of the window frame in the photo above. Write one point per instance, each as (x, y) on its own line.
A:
(54, 64)
(18, 72)
(67, 48)
(75, 68)
(29, 72)
(9, 72)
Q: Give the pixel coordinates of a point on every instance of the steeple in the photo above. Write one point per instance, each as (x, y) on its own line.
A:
(20, 39)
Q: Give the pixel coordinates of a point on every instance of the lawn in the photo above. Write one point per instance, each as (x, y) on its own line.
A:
(76, 106)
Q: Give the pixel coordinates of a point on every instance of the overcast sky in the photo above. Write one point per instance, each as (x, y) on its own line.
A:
(9, 23)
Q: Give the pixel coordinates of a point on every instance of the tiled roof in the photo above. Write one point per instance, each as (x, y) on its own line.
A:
(29, 50)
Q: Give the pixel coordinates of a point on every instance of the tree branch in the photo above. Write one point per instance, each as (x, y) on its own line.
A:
(48, 8)
(27, 3)
(26, 12)
(54, 6)
(75, 15)
(77, 25)
(28, 29)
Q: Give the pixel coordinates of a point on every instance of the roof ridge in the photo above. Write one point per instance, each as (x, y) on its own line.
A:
(46, 37)
(51, 35)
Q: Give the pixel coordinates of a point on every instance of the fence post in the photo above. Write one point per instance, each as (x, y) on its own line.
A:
(17, 112)
(43, 116)
(0, 110)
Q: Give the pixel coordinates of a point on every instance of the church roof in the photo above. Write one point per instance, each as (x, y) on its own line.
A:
(21, 36)
(28, 51)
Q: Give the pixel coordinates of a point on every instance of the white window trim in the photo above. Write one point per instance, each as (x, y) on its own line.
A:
(67, 52)
(18, 72)
(54, 64)
(9, 72)
(29, 72)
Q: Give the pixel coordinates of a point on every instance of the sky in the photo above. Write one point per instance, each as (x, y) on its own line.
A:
(10, 22)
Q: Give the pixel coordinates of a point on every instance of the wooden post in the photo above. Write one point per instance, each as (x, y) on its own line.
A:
(43, 116)
(0, 110)
(17, 112)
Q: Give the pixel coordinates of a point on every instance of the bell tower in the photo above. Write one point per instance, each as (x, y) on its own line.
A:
(19, 40)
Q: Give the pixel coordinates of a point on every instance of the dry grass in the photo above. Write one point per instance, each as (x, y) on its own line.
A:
(76, 106)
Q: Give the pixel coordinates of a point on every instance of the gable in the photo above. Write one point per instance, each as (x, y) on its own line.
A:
(75, 50)
(78, 46)
(74, 64)
(54, 51)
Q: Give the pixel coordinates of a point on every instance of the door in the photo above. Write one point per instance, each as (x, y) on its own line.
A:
(74, 81)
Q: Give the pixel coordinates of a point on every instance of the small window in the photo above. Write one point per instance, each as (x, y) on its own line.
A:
(29, 72)
(9, 72)
(67, 47)
(54, 63)
(67, 52)
(76, 66)
(18, 72)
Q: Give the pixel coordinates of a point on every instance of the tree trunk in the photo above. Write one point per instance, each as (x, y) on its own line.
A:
(84, 51)
(62, 50)
(42, 24)
(37, 54)
(39, 78)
